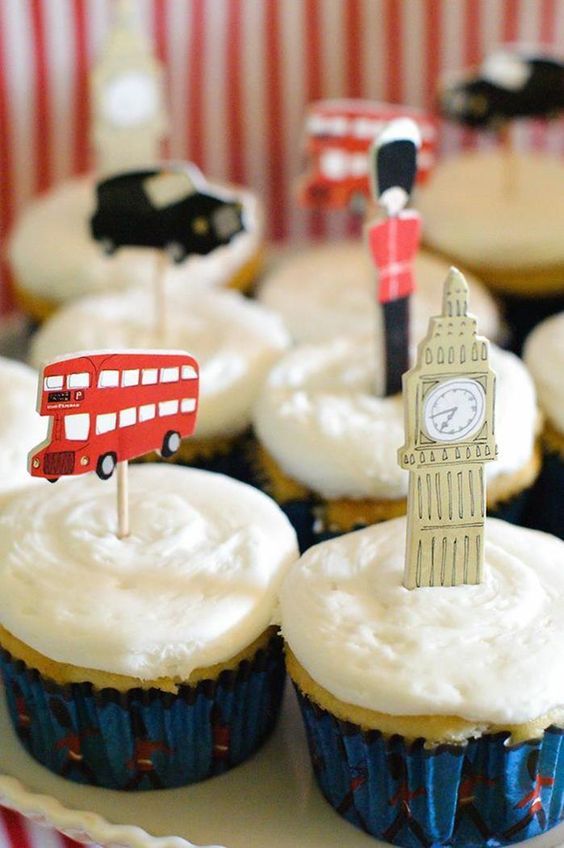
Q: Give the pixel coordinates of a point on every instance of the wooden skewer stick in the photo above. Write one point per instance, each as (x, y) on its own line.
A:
(509, 166)
(123, 500)
(161, 262)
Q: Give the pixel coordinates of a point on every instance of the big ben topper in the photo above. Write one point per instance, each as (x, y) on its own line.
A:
(449, 398)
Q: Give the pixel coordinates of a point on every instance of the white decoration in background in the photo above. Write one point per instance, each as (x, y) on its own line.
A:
(129, 120)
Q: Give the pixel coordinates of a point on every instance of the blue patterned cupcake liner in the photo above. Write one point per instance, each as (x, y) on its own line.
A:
(480, 793)
(546, 508)
(146, 739)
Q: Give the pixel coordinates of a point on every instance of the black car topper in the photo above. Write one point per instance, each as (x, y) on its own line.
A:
(509, 84)
(170, 207)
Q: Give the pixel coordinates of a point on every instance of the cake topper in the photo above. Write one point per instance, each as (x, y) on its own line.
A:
(449, 400)
(128, 115)
(393, 242)
(338, 135)
(171, 209)
(510, 84)
(107, 407)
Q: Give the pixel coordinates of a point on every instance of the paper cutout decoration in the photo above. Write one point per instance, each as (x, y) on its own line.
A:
(338, 135)
(128, 115)
(170, 208)
(394, 241)
(449, 398)
(510, 84)
(105, 408)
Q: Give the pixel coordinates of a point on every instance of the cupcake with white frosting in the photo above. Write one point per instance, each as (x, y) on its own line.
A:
(330, 290)
(434, 716)
(328, 443)
(148, 661)
(21, 427)
(501, 217)
(544, 356)
(235, 341)
(54, 258)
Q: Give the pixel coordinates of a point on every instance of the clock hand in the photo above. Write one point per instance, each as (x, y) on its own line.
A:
(449, 411)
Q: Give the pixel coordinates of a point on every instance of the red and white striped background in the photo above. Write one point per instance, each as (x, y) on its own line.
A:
(239, 75)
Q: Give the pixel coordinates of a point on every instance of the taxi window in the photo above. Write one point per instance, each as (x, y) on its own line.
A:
(168, 188)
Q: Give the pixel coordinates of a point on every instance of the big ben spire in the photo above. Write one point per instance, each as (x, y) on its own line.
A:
(450, 434)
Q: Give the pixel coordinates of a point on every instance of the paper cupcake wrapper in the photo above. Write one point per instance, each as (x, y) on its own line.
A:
(546, 507)
(233, 462)
(145, 739)
(482, 793)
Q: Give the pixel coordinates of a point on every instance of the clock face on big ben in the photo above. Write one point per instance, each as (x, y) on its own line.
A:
(454, 410)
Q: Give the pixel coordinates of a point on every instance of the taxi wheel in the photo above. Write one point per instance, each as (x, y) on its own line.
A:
(171, 443)
(108, 246)
(176, 251)
(106, 465)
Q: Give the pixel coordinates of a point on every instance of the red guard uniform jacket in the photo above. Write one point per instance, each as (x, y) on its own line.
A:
(393, 244)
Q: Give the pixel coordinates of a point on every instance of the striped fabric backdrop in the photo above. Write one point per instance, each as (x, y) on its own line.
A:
(239, 75)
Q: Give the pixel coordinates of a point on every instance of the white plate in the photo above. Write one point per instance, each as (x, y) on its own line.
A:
(270, 802)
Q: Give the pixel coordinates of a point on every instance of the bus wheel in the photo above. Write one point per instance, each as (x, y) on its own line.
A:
(52, 479)
(105, 466)
(171, 443)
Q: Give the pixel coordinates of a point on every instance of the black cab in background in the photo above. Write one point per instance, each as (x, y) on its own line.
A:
(170, 208)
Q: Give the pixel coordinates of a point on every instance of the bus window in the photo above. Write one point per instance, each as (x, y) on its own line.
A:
(78, 381)
(149, 376)
(169, 375)
(108, 379)
(188, 404)
(168, 407)
(105, 423)
(146, 412)
(130, 377)
(77, 426)
(127, 417)
(52, 383)
(189, 372)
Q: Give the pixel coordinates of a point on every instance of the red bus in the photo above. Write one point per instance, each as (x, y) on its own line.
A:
(338, 135)
(106, 407)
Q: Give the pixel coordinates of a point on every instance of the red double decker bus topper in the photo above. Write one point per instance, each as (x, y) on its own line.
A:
(338, 136)
(106, 407)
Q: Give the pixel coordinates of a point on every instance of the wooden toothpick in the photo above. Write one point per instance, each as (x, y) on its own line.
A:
(161, 262)
(123, 500)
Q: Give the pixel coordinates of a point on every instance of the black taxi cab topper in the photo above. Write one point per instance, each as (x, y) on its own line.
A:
(171, 208)
(511, 83)
(449, 403)
(107, 407)
(394, 240)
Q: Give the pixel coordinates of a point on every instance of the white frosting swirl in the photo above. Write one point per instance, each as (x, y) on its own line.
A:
(235, 341)
(330, 290)
(194, 584)
(54, 256)
(471, 216)
(488, 653)
(544, 355)
(21, 427)
(319, 417)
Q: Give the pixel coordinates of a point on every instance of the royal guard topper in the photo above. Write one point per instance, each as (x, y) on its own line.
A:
(338, 135)
(170, 209)
(393, 241)
(106, 408)
(449, 400)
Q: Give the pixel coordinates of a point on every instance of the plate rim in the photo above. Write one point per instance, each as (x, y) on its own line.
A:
(83, 826)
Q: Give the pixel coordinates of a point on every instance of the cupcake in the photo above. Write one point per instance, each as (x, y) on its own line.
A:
(20, 426)
(54, 258)
(506, 234)
(328, 443)
(434, 716)
(544, 356)
(150, 661)
(235, 341)
(330, 290)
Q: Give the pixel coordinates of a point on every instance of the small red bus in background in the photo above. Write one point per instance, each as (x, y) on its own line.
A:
(338, 135)
(108, 407)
